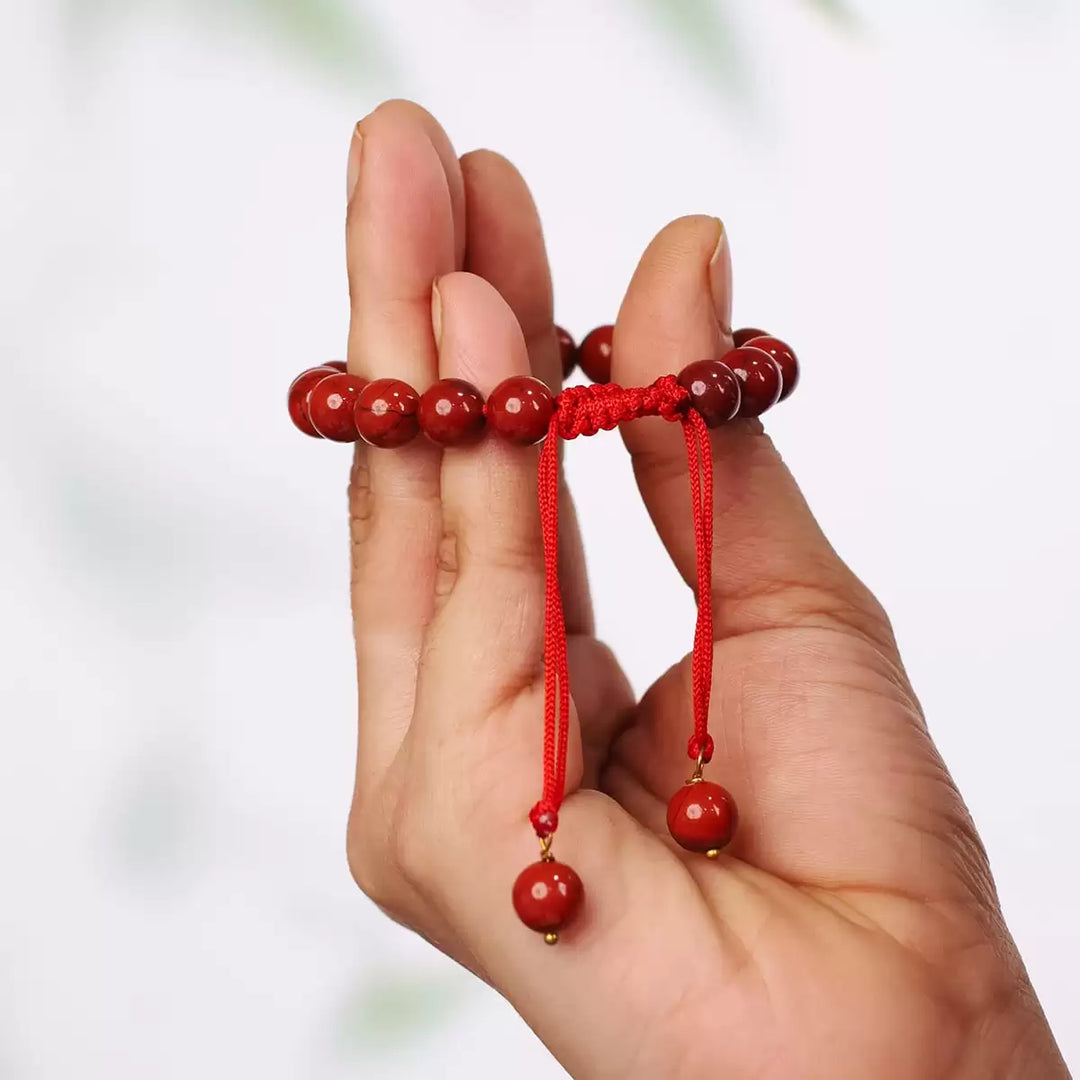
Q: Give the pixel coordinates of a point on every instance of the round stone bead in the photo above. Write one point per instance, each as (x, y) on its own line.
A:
(386, 413)
(594, 355)
(785, 359)
(702, 817)
(714, 390)
(299, 389)
(759, 379)
(331, 403)
(452, 412)
(567, 351)
(743, 335)
(547, 896)
(519, 409)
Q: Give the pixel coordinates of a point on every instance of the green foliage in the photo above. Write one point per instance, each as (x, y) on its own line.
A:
(331, 35)
(337, 37)
(705, 31)
(389, 1009)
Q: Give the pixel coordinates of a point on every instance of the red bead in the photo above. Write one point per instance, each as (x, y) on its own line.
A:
(714, 390)
(594, 355)
(785, 359)
(759, 379)
(299, 389)
(452, 412)
(330, 406)
(386, 412)
(545, 822)
(519, 409)
(567, 351)
(337, 365)
(547, 896)
(741, 337)
(702, 816)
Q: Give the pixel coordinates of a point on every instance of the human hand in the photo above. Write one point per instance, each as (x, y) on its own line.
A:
(851, 929)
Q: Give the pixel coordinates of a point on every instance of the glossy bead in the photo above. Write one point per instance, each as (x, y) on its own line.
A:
(330, 406)
(785, 359)
(337, 365)
(594, 354)
(452, 412)
(714, 390)
(743, 335)
(299, 389)
(567, 351)
(519, 409)
(759, 379)
(386, 413)
(547, 896)
(702, 817)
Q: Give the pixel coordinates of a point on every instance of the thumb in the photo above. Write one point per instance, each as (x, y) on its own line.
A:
(772, 566)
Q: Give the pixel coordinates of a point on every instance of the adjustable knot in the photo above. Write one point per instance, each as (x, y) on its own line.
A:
(585, 410)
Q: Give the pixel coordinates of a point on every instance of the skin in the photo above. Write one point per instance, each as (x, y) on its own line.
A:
(852, 928)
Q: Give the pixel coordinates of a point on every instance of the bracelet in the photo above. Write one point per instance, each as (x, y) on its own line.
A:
(329, 402)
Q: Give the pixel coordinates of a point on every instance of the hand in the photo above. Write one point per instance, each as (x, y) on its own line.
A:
(851, 929)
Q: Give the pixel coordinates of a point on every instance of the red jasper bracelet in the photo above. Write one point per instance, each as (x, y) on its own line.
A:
(329, 402)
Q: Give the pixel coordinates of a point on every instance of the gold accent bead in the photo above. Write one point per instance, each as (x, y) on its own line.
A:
(712, 853)
(551, 937)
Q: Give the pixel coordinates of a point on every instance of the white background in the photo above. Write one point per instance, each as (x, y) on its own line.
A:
(175, 683)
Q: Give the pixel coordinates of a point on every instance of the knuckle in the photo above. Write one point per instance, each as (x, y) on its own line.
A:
(361, 501)
(446, 565)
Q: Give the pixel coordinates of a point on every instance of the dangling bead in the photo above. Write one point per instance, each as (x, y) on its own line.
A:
(331, 404)
(702, 817)
(299, 389)
(594, 355)
(547, 896)
(567, 351)
(785, 359)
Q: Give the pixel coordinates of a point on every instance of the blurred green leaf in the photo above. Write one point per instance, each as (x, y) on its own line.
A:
(333, 34)
(837, 10)
(330, 31)
(389, 1009)
(705, 30)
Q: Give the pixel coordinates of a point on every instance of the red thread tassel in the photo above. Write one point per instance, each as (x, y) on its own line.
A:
(584, 410)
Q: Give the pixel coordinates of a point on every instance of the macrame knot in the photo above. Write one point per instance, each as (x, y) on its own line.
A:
(585, 410)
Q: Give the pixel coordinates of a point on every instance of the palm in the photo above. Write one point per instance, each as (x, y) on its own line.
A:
(846, 918)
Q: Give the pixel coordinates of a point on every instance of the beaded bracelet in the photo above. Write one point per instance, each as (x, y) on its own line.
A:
(329, 402)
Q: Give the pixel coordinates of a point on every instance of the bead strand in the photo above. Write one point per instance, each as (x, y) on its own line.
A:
(328, 402)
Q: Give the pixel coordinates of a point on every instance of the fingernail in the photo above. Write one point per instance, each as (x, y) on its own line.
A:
(720, 279)
(436, 314)
(352, 174)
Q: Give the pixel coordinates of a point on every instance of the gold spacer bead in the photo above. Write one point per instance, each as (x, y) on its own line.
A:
(551, 937)
(712, 853)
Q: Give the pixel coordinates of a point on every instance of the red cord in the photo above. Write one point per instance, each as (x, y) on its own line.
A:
(585, 410)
